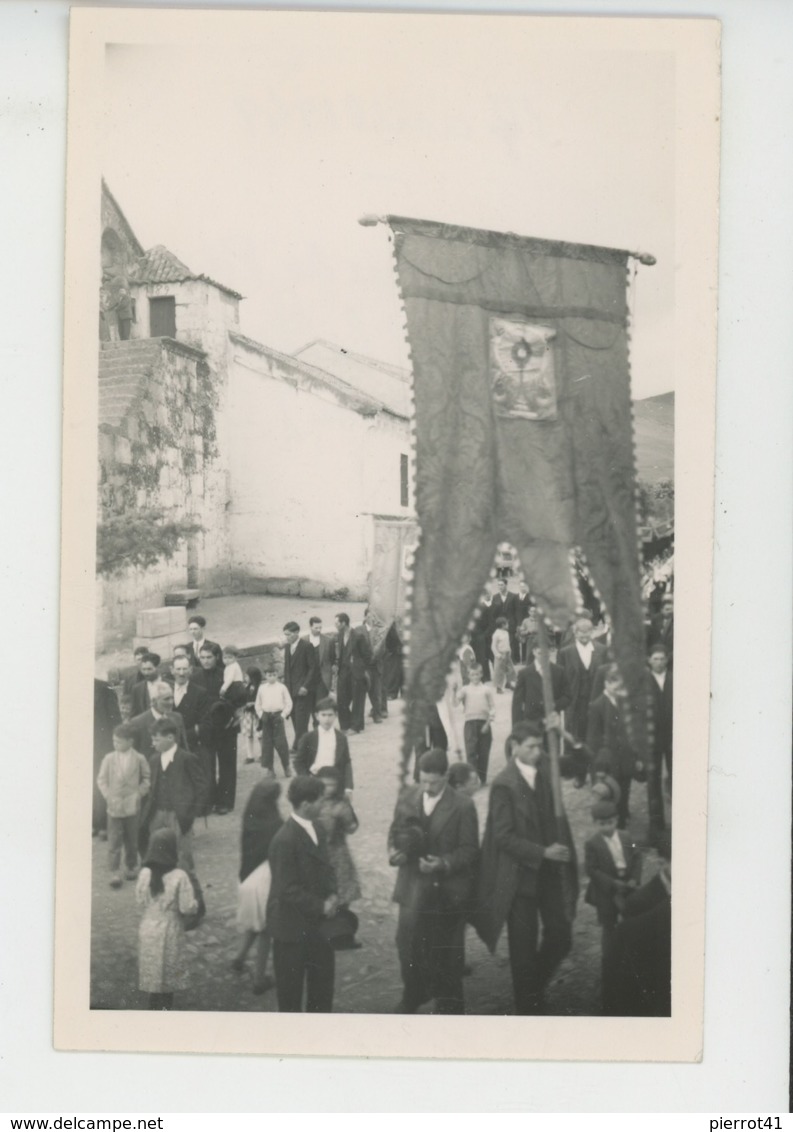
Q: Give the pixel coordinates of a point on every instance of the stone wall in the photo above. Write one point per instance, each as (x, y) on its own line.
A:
(158, 449)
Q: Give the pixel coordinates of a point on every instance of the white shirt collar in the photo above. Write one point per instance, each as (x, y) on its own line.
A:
(429, 804)
(155, 713)
(166, 757)
(527, 773)
(615, 848)
(307, 826)
(660, 678)
(326, 748)
(585, 652)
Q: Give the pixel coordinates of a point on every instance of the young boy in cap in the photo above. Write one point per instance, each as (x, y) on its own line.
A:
(613, 864)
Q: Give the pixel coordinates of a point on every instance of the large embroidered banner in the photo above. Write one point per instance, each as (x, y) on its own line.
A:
(523, 434)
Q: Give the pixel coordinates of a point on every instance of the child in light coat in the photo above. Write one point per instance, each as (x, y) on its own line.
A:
(503, 667)
(123, 780)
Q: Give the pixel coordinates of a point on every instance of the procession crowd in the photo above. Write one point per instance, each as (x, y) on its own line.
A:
(167, 735)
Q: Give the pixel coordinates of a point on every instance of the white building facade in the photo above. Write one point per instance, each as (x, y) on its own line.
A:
(288, 466)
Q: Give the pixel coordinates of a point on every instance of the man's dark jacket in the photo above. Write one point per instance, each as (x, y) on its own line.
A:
(520, 826)
(307, 753)
(188, 790)
(302, 880)
(301, 669)
(527, 699)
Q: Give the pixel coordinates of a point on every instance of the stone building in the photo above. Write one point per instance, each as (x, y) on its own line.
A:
(289, 465)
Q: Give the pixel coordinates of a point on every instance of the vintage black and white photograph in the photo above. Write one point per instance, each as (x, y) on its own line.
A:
(380, 325)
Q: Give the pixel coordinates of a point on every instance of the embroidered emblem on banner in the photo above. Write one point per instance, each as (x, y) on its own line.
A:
(522, 370)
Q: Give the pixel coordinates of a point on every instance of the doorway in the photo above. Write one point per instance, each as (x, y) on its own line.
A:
(162, 317)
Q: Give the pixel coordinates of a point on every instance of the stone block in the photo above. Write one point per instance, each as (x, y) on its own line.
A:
(160, 622)
(163, 645)
(255, 586)
(106, 445)
(309, 588)
(185, 597)
(285, 587)
(263, 655)
(123, 450)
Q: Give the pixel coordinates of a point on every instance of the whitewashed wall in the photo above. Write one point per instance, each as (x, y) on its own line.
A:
(306, 473)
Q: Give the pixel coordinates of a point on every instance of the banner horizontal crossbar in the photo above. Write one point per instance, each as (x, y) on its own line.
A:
(436, 230)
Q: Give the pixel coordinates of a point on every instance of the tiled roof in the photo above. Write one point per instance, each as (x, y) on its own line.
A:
(357, 398)
(159, 265)
(386, 383)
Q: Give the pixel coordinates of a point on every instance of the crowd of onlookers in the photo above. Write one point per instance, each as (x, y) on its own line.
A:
(167, 734)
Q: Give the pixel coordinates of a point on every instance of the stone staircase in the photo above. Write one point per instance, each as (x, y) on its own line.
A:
(124, 368)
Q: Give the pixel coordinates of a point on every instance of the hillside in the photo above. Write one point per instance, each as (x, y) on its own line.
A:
(654, 421)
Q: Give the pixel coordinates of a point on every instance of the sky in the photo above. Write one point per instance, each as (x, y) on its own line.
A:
(252, 161)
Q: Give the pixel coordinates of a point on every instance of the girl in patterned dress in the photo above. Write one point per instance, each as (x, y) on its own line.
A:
(247, 716)
(165, 893)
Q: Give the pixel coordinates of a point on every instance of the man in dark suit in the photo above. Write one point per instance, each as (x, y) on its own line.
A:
(660, 685)
(527, 701)
(324, 650)
(302, 894)
(523, 608)
(141, 696)
(505, 604)
(528, 870)
(434, 840)
(607, 731)
(614, 867)
(352, 659)
(178, 791)
(375, 632)
(189, 699)
(579, 662)
(637, 969)
(107, 715)
(481, 635)
(300, 678)
(662, 627)
(325, 746)
(197, 641)
(127, 678)
(162, 708)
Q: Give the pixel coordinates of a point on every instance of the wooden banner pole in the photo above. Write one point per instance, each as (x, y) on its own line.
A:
(548, 701)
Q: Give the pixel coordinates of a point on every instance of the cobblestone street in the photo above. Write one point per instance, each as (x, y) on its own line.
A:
(367, 980)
